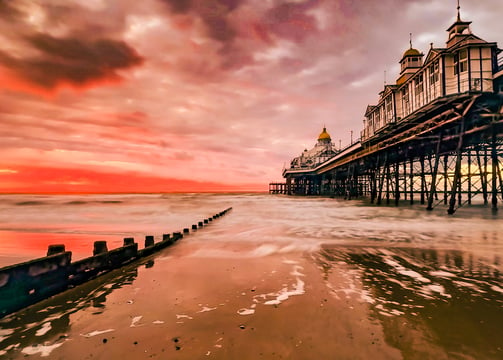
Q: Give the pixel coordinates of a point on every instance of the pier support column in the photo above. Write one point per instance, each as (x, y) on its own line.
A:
(469, 180)
(411, 175)
(456, 181)
(381, 181)
(423, 180)
(494, 174)
(388, 175)
(433, 185)
(397, 182)
(483, 177)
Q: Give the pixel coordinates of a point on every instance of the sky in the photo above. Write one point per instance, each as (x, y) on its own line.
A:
(196, 95)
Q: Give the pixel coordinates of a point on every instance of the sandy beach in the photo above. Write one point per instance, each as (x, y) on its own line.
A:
(292, 306)
(273, 307)
(254, 286)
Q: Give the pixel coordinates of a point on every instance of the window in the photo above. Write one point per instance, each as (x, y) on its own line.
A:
(463, 60)
(418, 81)
(460, 62)
(434, 72)
(389, 109)
(476, 84)
(405, 101)
(405, 94)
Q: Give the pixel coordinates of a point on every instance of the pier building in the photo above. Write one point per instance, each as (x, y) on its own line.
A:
(434, 136)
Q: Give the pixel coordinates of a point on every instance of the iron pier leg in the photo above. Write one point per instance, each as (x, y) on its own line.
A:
(423, 180)
(405, 192)
(433, 186)
(500, 178)
(457, 171)
(494, 175)
(486, 197)
(373, 181)
(446, 177)
(411, 174)
(482, 178)
(469, 177)
(397, 182)
(388, 175)
(381, 182)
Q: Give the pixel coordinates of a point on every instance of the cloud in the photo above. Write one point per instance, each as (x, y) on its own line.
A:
(8, 10)
(291, 20)
(215, 15)
(71, 61)
(223, 89)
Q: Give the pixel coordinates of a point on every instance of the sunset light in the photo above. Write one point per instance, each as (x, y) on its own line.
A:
(165, 95)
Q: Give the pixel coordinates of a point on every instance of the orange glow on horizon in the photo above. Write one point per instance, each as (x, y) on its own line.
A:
(60, 181)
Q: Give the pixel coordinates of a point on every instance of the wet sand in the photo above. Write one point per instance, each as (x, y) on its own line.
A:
(277, 278)
(336, 303)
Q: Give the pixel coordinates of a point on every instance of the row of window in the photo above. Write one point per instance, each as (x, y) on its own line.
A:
(413, 94)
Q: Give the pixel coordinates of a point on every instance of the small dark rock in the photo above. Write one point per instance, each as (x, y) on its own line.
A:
(105, 340)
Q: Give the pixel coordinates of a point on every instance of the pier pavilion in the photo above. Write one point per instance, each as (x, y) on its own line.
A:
(435, 136)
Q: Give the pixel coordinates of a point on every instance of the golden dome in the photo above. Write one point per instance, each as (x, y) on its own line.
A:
(411, 52)
(324, 135)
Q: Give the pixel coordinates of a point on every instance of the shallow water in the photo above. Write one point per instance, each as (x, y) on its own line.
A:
(267, 223)
(431, 282)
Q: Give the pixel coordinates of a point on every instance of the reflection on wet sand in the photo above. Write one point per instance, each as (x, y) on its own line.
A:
(50, 320)
(432, 304)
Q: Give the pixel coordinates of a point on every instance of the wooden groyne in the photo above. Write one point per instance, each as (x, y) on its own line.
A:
(29, 282)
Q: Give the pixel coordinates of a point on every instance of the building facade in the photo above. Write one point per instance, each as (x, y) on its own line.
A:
(323, 150)
(467, 64)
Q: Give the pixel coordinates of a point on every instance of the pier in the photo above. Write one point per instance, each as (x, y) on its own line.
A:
(434, 137)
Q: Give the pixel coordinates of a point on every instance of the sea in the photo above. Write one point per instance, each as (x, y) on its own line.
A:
(444, 270)
(267, 223)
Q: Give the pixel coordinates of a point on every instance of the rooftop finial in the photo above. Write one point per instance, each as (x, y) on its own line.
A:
(410, 40)
(459, 15)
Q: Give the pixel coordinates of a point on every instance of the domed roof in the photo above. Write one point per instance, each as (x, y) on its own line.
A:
(324, 135)
(411, 52)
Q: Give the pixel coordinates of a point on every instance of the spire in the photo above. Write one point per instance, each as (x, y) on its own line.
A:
(459, 28)
(410, 40)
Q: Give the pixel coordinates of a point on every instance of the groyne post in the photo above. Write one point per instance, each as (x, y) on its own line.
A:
(29, 282)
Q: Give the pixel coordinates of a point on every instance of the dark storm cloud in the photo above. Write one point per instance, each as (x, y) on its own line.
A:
(243, 28)
(290, 20)
(213, 13)
(71, 60)
(7, 10)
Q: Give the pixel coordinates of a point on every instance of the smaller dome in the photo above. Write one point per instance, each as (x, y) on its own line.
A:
(324, 135)
(411, 52)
